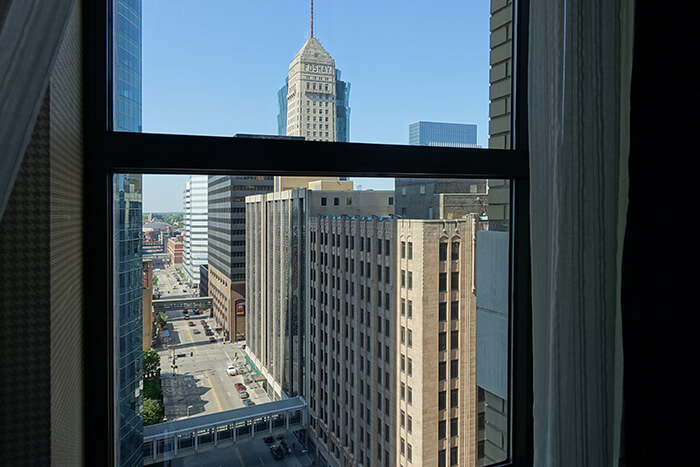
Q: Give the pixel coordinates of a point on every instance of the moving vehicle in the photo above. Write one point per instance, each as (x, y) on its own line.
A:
(231, 370)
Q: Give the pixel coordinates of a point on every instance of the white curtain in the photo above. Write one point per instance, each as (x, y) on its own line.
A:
(578, 83)
(30, 32)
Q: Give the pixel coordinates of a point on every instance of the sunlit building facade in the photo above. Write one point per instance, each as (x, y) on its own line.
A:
(314, 102)
(127, 210)
(195, 226)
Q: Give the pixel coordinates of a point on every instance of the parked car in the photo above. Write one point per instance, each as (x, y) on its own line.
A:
(277, 452)
(191, 323)
(231, 370)
(196, 331)
(248, 402)
(269, 440)
(243, 395)
(239, 386)
(212, 339)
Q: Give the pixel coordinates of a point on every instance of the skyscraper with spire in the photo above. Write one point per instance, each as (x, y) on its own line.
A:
(314, 102)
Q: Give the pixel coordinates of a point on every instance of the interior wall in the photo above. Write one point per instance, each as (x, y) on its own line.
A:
(66, 247)
(41, 292)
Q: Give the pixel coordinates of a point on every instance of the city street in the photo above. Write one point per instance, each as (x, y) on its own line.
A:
(199, 384)
(253, 453)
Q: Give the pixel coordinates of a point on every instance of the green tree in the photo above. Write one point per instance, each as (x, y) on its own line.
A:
(152, 412)
(151, 363)
(162, 321)
(151, 389)
(155, 280)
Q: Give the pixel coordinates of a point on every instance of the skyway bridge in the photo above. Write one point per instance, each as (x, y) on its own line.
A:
(192, 435)
(175, 304)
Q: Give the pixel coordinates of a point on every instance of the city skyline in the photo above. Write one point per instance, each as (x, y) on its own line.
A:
(400, 61)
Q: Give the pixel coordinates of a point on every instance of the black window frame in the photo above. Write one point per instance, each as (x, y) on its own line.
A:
(107, 152)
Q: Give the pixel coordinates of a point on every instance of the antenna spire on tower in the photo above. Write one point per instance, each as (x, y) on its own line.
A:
(312, 18)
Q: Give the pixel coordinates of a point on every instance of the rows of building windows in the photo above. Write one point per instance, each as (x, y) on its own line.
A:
(333, 302)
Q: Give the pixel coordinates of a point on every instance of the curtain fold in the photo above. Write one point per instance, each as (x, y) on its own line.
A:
(575, 127)
(30, 32)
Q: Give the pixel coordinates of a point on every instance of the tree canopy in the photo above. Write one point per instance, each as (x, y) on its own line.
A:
(151, 363)
(152, 412)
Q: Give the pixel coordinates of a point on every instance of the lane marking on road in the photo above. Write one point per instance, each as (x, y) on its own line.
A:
(240, 458)
(214, 392)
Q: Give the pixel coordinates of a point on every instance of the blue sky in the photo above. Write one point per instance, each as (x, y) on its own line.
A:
(214, 67)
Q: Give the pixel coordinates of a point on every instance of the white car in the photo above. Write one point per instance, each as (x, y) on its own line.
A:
(231, 370)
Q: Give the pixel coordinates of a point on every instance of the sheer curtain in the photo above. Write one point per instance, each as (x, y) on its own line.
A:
(578, 79)
(30, 32)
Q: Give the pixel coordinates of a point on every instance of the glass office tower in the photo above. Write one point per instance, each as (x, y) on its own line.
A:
(452, 135)
(127, 211)
(127, 65)
(342, 108)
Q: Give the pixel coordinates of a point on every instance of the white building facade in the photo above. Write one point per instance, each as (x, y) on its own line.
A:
(195, 231)
(311, 99)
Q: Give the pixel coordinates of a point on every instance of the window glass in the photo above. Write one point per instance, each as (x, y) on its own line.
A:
(222, 236)
(305, 62)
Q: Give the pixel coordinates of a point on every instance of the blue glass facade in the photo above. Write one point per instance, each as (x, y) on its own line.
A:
(127, 211)
(455, 135)
(127, 70)
(282, 103)
(342, 108)
(128, 317)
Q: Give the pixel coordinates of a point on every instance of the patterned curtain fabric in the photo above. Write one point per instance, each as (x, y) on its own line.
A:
(30, 32)
(578, 85)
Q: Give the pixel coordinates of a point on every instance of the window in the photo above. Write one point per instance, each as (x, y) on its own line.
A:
(454, 458)
(454, 281)
(454, 310)
(442, 371)
(442, 400)
(443, 251)
(454, 340)
(117, 150)
(454, 422)
(455, 251)
(454, 397)
(442, 282)
(454, 368)
(442, 429)
(442, 341)
(324, 201)
(410, 250)
(403, 250)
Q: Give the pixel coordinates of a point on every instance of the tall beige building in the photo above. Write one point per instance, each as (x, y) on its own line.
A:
(311, 88)
(436, 328)
(351, 383)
